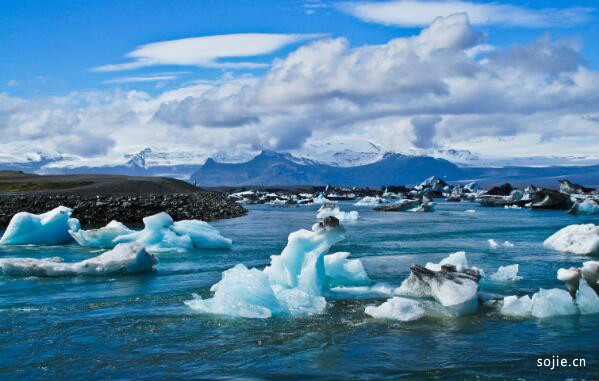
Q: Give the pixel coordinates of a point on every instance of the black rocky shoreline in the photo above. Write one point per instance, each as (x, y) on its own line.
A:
(101, 209)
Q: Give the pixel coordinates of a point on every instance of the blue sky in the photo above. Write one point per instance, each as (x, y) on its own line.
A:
(50, 46)
(98, 79)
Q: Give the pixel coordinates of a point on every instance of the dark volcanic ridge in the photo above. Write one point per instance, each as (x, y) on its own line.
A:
(98, 199)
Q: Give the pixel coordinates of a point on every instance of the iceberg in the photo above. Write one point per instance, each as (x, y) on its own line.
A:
(50, 228)
(371, 201)
(575, 239)
(123, 259)
(341, 271)
(451, 282)
(517, 307)
(321, 199)
(102, 237)
(334, 211)
(553, 302)
(506, 274)
(587, 299)
(295, 282)
(493, 244)
(470, 211)
(160, 233)
(584, 207)
(397, 308)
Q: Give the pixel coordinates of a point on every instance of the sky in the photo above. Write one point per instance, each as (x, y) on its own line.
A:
(99, 79)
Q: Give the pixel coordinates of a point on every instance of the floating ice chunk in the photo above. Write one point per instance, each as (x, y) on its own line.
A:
(371, 201)
(397, 308)
(575, 239)
(202, 234)
(102, 237)
(590, 272)
(50, 228)
(513, 206)
(585, 207)
(341, 271)
(506, 274)
(457, 259)
(517, 307)
(553, 302)
(586, 299)
(241, 292)
(321, 199)
(337, 213)
(160, 233)
(571, 277)
(470, 211)
(493, 244)
(508, 244)
(294, 283)
(301, 263)
(424, 207)
(123, 259)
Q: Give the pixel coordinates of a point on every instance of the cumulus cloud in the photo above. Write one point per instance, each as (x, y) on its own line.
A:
(424, 90)
(415, 13)
(207, 51)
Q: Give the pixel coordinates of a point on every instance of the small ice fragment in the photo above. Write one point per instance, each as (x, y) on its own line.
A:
(506, 274)
(517, 307)
(493, 244)
(397, 308)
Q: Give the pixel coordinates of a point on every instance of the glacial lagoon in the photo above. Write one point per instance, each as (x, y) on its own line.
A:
(137, 326)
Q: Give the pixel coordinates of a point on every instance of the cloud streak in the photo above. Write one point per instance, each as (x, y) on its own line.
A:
(416, 13)
(207, 51)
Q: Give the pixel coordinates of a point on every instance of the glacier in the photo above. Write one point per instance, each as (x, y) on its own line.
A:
(50, 228)
(160, 233)
(123, 259)
(575, 239)
(296, 281)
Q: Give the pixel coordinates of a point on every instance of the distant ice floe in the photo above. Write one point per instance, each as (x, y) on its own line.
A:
(50, 228)
(123, 259)
(470, 211)
(575, 239)
(160, 233)
(506, 274)
(328, 210)
(371, 201)
(296, 281)
(321, 199)
(495, 245)
(588, 207)
(397, 308)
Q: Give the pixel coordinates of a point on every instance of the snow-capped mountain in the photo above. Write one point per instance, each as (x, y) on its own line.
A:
(344, 153)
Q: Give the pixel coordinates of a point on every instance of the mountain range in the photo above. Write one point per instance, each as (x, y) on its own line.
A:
(362, 163)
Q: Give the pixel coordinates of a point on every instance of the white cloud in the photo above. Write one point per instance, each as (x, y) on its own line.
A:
(415, 13)
(208, 51)
(427, 90)
(12, 83)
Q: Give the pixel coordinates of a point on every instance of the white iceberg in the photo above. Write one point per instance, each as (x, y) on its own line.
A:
(324, 212)
(123, 259)
(470, 211)
(517, 307)
(102, 237)
(575, 239)
(341, 271)
(321, 199)
(586, 299)
(371, 201)
(452, 282)
(506, 274)
(50, 228)
(160, 233)
(296, 281)
(493, 244)
(553, 302)
(397, 308)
